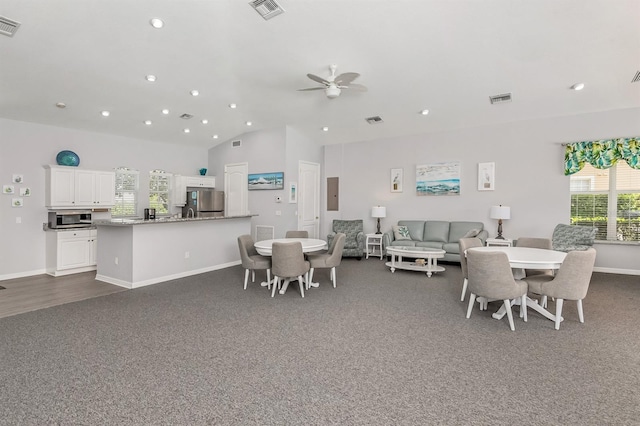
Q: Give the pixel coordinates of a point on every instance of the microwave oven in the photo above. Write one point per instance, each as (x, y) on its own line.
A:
(69, 219)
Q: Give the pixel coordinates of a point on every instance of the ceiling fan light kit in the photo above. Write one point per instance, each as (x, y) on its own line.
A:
(334, 84)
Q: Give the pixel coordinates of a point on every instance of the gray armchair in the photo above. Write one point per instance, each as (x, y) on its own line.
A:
(573, 237)
(354, 236)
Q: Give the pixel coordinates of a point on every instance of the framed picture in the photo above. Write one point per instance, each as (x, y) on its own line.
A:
(261, 181)
(396, 180)
(438, 179)
(17, 202)
(486, 176)
(18, 179)
(25, 192)
(293, 193)
(8, 189)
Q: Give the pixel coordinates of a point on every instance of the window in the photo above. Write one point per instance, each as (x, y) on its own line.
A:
(608, 199)
(126, 193)
(159, 191)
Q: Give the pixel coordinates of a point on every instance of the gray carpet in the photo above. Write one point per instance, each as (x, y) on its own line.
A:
(381, 349)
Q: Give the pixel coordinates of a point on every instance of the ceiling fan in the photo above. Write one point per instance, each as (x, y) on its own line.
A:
(335, 83)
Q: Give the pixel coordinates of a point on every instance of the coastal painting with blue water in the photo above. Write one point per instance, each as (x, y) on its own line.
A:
(438, 179)
(274, 180)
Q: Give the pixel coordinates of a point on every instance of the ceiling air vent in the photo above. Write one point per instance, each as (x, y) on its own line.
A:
(236, 143)
(636, 78)
(497, 99)
(186, 116)
(267, 8)
(8, 27)
(374, 120)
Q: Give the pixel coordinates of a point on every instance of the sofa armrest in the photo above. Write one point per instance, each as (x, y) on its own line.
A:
(483, 235)
(360, 238)
(330, 237)
(387, 239)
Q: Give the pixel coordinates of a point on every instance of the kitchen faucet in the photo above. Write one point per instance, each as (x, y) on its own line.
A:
(193, 214)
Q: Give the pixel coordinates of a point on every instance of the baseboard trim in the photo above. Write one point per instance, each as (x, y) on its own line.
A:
(23, 274)
(137, 284)
(617, 271)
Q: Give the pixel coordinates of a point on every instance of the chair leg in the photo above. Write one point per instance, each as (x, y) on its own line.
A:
(246, 278)
(559, 303)
(310, 274)
(274, 285)
(333, 276)
(268, 279)
(465, 283)
(507, 307)
(580, 312)
(543, 301)
(472, 299)
(253, 275)
(523, 307)
(300, 283)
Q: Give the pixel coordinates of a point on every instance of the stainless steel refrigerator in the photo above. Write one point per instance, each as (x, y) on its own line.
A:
(204, 203)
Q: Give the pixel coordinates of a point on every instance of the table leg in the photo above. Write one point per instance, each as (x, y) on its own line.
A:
(533, 304)
(284, 286)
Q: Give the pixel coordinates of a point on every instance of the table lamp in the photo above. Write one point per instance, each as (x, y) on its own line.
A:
(500, 212)
(379, 212)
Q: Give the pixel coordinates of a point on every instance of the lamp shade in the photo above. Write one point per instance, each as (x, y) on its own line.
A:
(379, 212)
(500, 212)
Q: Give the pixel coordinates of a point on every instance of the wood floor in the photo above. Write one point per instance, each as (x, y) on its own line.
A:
(43, 291)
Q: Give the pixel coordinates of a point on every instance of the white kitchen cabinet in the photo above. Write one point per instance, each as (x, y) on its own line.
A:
(70, 252)
(181, 183)
(73, 187)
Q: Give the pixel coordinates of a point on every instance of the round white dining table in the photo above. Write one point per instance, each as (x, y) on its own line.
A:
(308, 244)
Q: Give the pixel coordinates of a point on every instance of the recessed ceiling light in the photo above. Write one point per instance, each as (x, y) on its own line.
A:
(578, 86)
(325, 129)
(156, 23)
(61, 105)
(186, 130)
(424, 112)
(105, 113)
(165, 111)
(233, 106)
(194, 93)
(148, 122)
(151, 78)
(249, 123)
(215, 136)
(205, 121)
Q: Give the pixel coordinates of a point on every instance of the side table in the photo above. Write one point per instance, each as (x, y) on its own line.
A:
(496, 242)
(374, 243)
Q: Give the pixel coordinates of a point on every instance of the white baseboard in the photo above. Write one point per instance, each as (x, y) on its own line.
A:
(137, 284)
(617, 271)
(22, 274)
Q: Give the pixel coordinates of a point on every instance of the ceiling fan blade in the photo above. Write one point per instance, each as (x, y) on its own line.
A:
(311, 88)
(346, 78)
(357, 87)
(318, 79)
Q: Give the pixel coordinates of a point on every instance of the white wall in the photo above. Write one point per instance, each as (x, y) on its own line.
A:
(529, 177)
(27, 147)
(276, 150)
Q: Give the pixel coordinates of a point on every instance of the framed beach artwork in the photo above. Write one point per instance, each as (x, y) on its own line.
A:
(486, 176)
(293, 193)
(396, 180)
(438, 179)
(261, 181)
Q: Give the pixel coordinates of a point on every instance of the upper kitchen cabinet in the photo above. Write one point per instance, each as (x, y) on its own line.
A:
(71, 187)
(181, 183)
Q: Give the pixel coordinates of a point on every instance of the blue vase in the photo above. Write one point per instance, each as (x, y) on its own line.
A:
(203, 171)
(68, 158)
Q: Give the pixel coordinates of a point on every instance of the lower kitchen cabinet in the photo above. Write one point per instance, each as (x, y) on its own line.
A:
(70, 252)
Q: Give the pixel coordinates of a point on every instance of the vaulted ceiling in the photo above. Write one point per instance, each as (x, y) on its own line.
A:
(445, 56)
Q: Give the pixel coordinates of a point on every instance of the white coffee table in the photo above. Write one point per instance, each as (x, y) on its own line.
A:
(430, 256)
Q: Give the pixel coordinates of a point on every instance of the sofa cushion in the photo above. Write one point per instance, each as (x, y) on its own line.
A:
(401, 232)
(453, 248)
(416, 228)
(436, 230)
(430, 244)
(458, 230)
(404, 243)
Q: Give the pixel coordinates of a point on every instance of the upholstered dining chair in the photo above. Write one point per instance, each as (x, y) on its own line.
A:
(330, 259)
(287, 261)
(297, 234)
(490, 276)
(541, 243)
(251, 260)
(571, 281)
(466, 243)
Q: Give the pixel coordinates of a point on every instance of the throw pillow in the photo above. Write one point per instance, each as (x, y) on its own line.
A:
(401, 233)
(471, 233)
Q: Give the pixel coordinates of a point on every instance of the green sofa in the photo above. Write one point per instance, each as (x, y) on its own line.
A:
(437, 234)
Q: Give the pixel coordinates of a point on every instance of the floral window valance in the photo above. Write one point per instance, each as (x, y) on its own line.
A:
(601, 154)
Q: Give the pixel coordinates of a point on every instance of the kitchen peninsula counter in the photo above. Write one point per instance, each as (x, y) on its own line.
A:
(135, 252)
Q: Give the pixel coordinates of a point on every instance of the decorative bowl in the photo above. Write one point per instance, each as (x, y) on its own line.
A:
(67, 158)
